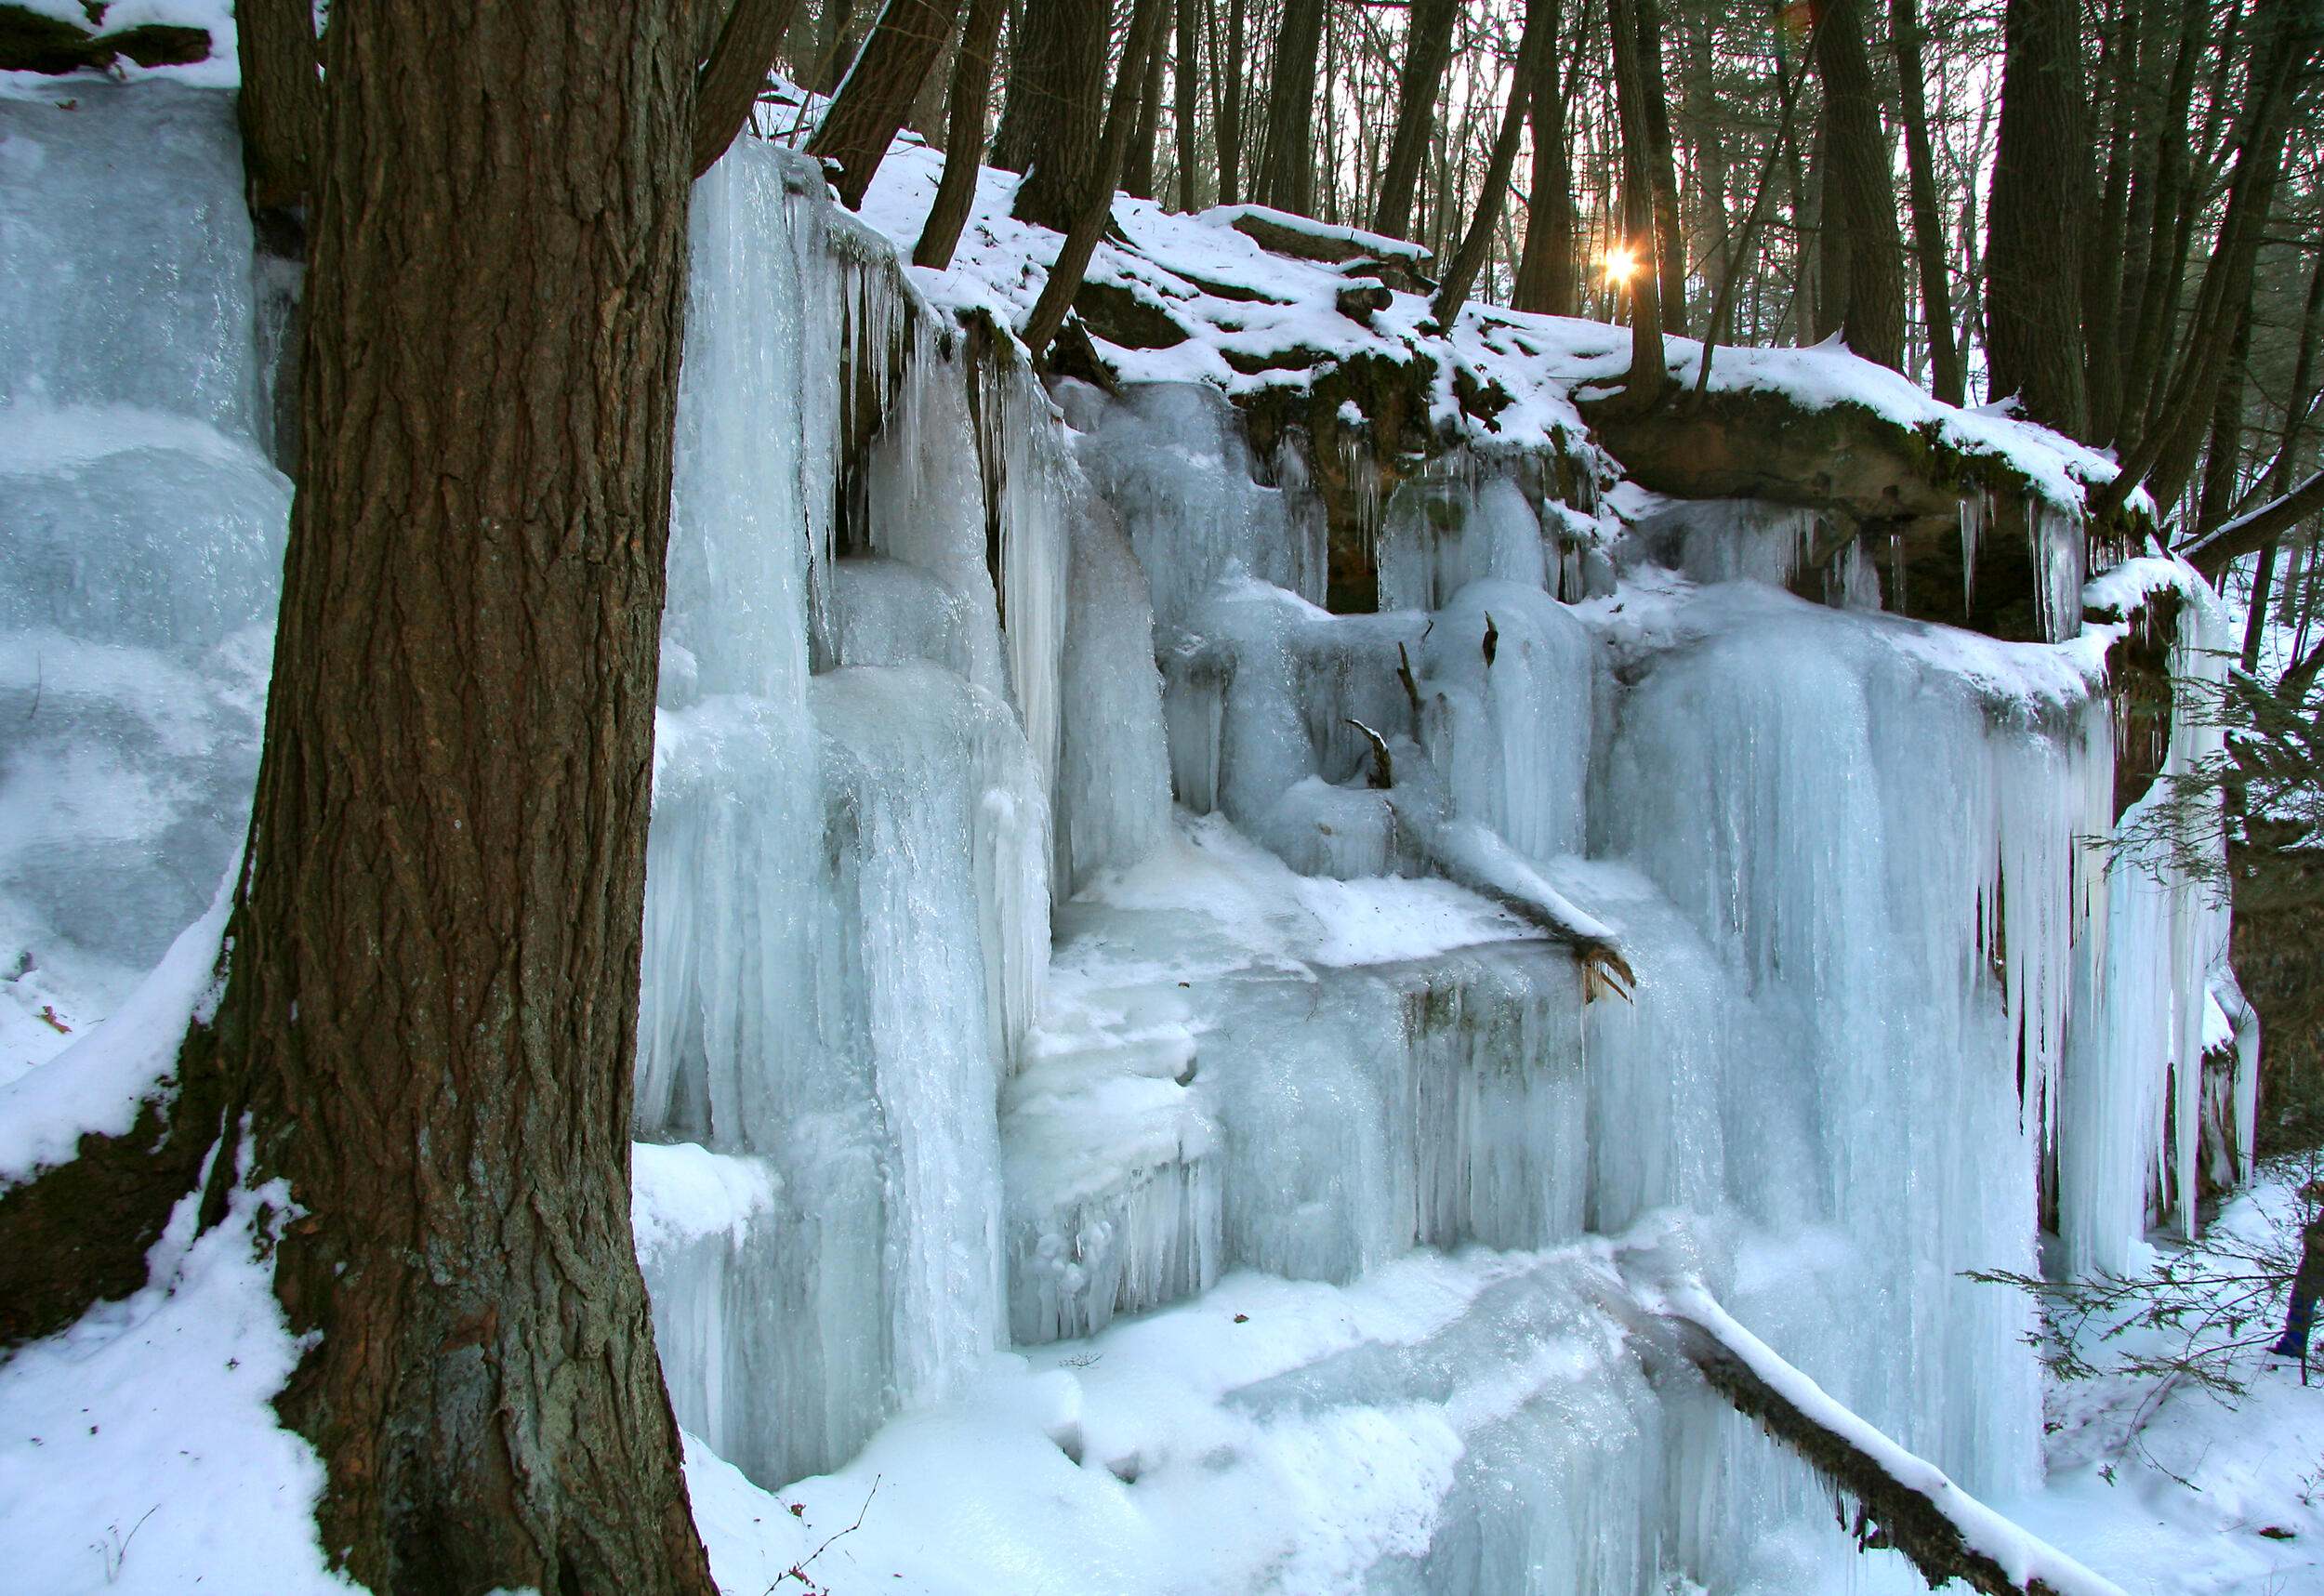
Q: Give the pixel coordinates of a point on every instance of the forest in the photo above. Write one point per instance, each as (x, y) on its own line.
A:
(1134, 796)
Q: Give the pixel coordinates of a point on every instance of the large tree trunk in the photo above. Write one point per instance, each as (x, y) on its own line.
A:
(886, 78)
(1863, 266)
(1081, 237)
(431, 1005)
(2034, 216)
(281, 104)
(1055, 118)
(1287, 157)
(1547, 274)
(431, 1011)
(1669, 258)
(1643, 388)
(1951, 380)
(964, 143)
(1427, 51)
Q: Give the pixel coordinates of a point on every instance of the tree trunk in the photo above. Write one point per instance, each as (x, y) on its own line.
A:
(1864, 288)
(2224, 452)
(431, 1011)
(1707, 123)
(729, 83)
(1056, 113)
(886, 78)
(1081, 237)
(1547, 273)
(2167, 452)
(2102, 260)
(1427, 51)
(1460, 275)
(2300, 398)
(1230, 107)
(1183, 100)
(281, 104)
(834, 44)
(1648, 375)
(1950, 381)
(2034, 215)
(2159, 199)
(431, 1006)
(964, 147)
(1287, 157)
(1670, 257)
(1137, 169)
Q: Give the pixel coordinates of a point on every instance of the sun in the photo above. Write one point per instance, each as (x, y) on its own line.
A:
(1620, 262)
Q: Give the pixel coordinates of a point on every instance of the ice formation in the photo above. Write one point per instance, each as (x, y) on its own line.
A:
(956, 1037)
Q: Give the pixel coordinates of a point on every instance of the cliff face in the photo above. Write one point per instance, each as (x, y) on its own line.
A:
(1206, 913)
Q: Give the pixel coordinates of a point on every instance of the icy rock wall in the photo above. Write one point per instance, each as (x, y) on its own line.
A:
(1889, 860)
(2131, 1109)
(857, 761)
(143, 530)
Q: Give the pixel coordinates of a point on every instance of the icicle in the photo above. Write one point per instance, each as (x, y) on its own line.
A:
(1977, 514)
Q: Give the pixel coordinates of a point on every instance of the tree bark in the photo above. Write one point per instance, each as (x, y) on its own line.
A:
(2166, 452)
(1648, 377)
(896, 57)
(1232, 86)
(1137, 169)
(1287, 157)
(1081, 238)
(280, 105)
(964, 147)
(2102, 260)
(729, 83)
(2300, 398)
(1949, 379)
(431, 1005)
(1427, 51)
(2034, 215)
(1055, 119)
(1460, 274)
(1864, 289)
(1547, 273)
(1183, 95)
(1670, 257)
(2158, 201)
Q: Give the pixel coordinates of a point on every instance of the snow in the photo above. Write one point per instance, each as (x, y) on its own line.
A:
(140, 1452)
(1085, 1193)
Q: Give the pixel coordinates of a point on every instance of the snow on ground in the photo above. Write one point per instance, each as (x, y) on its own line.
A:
(140, 1452)
(2171, 1489)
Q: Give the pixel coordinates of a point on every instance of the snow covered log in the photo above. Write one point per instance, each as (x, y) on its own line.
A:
(1904, 1503)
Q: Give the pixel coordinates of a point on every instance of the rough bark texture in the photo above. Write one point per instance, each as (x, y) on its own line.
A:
(1286, 158)
(1863, 268)
(2034, 216)
(1055, 117)
(432, 1006)
(281, 104)
(896, 58)
(1948, 376)
(729, 83)
(964, 146)
(1427, 51)
(1233, 103)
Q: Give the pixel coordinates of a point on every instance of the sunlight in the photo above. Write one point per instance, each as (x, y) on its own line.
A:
(1620, 263)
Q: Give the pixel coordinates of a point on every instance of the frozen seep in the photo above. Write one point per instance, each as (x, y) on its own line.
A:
(2131, 1110)
(143, 531)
